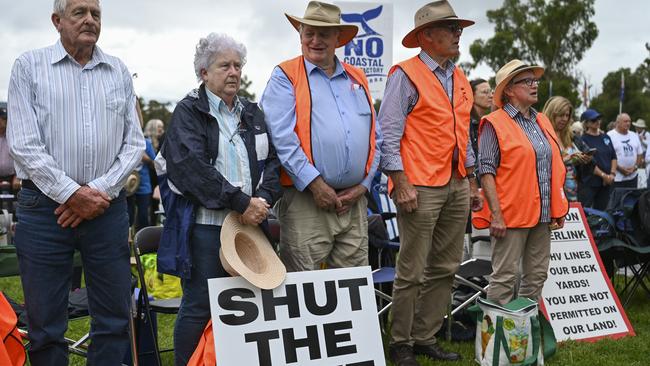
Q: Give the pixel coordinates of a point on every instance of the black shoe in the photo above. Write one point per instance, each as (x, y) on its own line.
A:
(402, 355)
(434, 352)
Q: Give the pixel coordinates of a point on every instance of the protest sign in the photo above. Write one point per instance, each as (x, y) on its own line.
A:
(372, 48)
(578, 297)
(324, 318)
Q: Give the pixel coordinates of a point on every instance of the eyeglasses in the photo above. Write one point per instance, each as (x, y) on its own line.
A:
(452, 27)
(527, 81)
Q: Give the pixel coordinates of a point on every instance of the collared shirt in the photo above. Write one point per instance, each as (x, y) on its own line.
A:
(489, 155)
(72, 125)
(400, 98)
(232, 158)
(340, 128)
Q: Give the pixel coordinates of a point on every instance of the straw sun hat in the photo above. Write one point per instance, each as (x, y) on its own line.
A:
(509, 71)
(320, 14)
(245, 251)
(437, 11)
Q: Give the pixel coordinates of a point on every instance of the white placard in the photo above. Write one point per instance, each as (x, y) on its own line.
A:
(324, 318)
(372, 48)
(578, 298)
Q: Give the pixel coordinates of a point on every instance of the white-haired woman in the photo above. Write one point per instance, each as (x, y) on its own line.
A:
(154, 130)
(216, 153)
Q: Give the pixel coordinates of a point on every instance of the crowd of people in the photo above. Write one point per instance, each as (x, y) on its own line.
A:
(309, 151)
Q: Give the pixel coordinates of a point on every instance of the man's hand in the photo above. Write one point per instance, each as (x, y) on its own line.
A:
(497, 226)
(627, 171)
(86, 203)
(557, 223)
(349, 197)
(67, 217)
(324, 196)
(404, 194)
(256, 212)
(475, 197)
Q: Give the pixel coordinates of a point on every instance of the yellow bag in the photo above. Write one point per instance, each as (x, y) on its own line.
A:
(161, 286)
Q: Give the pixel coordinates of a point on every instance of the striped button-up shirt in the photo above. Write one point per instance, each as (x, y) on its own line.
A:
(72, 125)
(232, 157)
(400, 98)
(489, 155)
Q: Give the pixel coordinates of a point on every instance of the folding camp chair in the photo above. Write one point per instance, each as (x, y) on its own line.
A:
(146, 241)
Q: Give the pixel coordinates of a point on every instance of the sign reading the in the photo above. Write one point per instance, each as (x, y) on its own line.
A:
(372, 48)
(578, 297)
(326, 317)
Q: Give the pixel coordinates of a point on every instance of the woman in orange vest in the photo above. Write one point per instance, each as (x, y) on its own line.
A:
(522, 175)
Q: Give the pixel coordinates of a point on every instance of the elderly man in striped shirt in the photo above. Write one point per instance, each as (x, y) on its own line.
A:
(75, 136)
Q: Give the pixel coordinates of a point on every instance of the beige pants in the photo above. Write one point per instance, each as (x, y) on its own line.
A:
(531, 247)
(311, 236)
(431, 249)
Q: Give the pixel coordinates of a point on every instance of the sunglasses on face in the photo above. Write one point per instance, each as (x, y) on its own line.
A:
(527, 81)
(452, 27)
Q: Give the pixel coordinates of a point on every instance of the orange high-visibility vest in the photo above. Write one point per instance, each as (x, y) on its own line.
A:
(435, 126)
(12, 351)
(516, 177)
(296, 72)
(204, 354)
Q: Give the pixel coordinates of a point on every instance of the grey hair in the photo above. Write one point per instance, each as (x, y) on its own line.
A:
(209, 47)
(151, 128)
(60, 6)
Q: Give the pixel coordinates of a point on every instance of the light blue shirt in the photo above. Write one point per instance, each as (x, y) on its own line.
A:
(232, 157)
(72, 125)
(340, 128)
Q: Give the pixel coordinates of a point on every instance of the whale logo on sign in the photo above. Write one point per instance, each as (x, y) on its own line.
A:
(363, 19)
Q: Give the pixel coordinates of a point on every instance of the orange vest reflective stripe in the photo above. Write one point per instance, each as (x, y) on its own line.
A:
(296, 72)
(516, 177)
(435, 126)
(12, 351)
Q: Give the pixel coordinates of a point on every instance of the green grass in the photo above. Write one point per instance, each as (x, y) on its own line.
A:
(629, 351)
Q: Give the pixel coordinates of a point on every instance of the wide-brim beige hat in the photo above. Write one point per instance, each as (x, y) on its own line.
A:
(132, 183)
(320, 14)
(437, 11)
(509, 71)
(245, 251)
(640, 123)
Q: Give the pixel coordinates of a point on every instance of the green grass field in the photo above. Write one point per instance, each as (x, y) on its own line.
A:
(629, 351)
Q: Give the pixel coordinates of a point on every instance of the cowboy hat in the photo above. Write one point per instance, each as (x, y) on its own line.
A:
(437, 11)
(507, 72)
(640, 123)
(132, 183)
(245, 251)
(320, 14)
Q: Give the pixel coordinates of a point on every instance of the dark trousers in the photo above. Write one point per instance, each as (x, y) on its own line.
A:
(194, 312)
(45, 254)
(632, 183)
(594, 197)
(139, 205)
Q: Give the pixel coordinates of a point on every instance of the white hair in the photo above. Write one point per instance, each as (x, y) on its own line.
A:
(61, 5)
(151, 128)
(209, 47)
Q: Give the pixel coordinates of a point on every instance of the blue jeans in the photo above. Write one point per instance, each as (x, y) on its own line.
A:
(45, 253)
(194, 312)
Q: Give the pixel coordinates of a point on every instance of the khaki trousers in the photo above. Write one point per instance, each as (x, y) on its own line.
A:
(311, 236)
(531, 247)
(431, 248)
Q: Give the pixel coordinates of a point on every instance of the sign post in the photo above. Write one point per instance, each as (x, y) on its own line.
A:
(323, 318)
(578, 298)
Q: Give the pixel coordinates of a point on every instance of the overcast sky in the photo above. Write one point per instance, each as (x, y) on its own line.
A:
(156, 38)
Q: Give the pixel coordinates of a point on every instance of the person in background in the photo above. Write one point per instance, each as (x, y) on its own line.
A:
(427, 154)
(522, 176)
(219, 158)
(320, 115)
(560, 111)
(596, 180)
(139, 203)
(641, 130)
(75, 136)
(482, 105)
(7, 171)
(629, 154)
(154, 130)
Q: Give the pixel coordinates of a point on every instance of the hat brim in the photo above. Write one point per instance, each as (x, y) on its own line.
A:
(250, 255)
(348, 31)
(640, 125)
(410, 40)
(498, 91)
